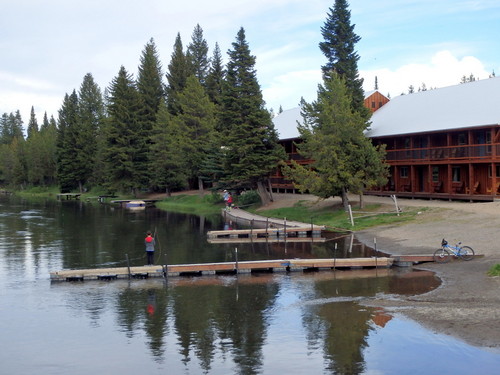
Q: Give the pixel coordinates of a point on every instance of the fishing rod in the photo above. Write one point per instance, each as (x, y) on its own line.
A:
(159, 247)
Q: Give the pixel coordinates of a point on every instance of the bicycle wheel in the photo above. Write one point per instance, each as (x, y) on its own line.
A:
(466, 253)
(442, 256)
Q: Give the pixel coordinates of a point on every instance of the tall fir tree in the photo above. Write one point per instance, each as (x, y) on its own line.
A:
(339, 48)
(215, 77)
(250, 140)
(343, 158)
(198, 53)
(178, 70)
(151, 93)
(124, 148)
(67, 166)
(32, 123)
(90, 117)
(197, 119)
(169, 165)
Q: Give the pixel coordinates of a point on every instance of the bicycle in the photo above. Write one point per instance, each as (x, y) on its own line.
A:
(444, 254)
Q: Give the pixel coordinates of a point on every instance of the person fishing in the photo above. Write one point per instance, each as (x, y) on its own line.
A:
(149, 241)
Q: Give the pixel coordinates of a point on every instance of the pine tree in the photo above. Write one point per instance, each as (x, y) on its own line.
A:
(45, 123)
(67, 168)
(32, 124)
(124, 151)
(338, 47)
(215, 77)
(250, 140)
(197, 119)
(168, 165)
(344, 159)
(149, 83)
(198, 52)
(151, 92)
(178, 71)
(90, 118)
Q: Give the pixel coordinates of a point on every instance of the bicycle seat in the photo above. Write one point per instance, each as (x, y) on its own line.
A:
(444, 242)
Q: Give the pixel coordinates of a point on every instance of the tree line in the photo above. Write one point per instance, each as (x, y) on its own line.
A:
(207, 125)
(197, 124)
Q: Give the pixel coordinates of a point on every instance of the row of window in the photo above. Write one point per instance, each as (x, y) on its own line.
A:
(455, 173)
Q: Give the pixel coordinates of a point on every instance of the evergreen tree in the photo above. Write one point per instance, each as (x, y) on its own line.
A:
(151, 92)
(215, 77)
(67, 143)
(197, 119)
(149, 84)
(124, 150)
(32, 124)
(198, 52)
(338, 47)
(344, 159)
(45, 123)
(90, 118)
(169, 167)
(249, 137)
(178, 71)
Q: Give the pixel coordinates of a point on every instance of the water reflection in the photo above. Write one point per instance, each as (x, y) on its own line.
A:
(233, 317)
(247, 324)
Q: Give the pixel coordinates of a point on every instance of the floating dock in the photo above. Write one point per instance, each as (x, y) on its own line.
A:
(280, 265)
(267, 232)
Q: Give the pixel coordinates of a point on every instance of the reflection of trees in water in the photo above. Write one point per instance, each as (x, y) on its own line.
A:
(340, 326)
(233, 317)
(145, 309)
(206, 319)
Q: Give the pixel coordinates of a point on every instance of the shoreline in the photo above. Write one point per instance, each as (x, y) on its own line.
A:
(467, 304)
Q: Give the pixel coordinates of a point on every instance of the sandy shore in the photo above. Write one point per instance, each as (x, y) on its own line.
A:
(467, 305)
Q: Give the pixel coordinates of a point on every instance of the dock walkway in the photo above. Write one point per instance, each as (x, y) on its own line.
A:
(279, 265)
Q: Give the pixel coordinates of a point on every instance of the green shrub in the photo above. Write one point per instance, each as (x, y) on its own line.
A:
(494, 270)
(213, 198)
(248, 198)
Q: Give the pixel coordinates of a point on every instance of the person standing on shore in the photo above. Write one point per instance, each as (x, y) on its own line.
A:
(149, 241)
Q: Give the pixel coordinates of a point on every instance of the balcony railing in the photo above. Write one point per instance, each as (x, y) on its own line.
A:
(484, 151)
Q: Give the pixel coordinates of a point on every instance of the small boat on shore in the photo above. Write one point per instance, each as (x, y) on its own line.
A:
(135, 205)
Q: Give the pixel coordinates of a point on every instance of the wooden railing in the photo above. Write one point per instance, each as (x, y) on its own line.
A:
(484, 151)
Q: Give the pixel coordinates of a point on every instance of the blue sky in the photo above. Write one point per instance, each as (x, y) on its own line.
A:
(48, 47)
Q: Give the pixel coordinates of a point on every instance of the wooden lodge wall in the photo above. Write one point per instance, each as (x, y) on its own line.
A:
(458, 164)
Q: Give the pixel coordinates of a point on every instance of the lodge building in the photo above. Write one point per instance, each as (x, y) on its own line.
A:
(441, 143)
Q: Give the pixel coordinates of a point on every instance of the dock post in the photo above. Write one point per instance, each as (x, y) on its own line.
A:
(375, 244)
(236, 258)
(267, 223)
(165, 270)
(334, 255)
(284, 225)
(128, 265)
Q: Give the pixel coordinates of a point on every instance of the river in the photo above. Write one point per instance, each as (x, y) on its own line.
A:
(265, 323)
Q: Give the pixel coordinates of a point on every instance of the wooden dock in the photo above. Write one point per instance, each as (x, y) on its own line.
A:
(123, 202)
(303, 231)
(313, 239)
(68, 196)
(280, 265)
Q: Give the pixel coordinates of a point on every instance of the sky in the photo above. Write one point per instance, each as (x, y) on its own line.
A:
(48, 46)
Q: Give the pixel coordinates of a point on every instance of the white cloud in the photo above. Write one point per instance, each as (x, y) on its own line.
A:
(443, 69)
(287, 89)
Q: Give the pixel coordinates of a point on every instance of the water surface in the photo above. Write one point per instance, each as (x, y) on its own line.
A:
(292, 323)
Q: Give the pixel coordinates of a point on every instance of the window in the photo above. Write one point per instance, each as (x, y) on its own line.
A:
(497, 171)
(462, 139)
(373, 104)
(435, 174)
(403, 172)
(455, 174)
